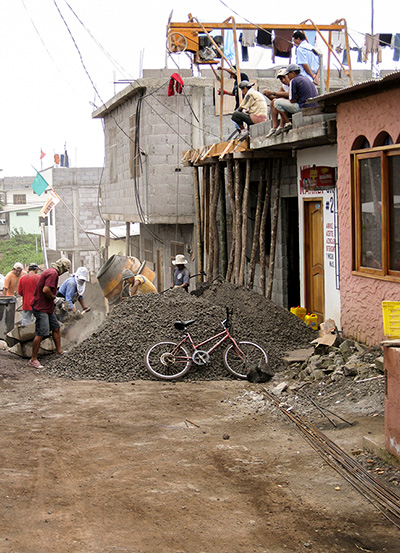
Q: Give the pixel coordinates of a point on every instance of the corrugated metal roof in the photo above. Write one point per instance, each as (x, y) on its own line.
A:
(362, 89)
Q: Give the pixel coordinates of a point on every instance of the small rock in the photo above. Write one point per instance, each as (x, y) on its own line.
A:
(280, 388)
(225, 436)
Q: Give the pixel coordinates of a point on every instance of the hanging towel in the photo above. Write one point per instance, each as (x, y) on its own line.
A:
(385, 39)
(282, 44)
(396, 47)
(177, 81)
(338, 41)
(264, 38)
(249, 37)
(229, 45)
(311, 36)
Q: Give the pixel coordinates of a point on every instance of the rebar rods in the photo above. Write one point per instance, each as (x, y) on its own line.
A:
(381, 497)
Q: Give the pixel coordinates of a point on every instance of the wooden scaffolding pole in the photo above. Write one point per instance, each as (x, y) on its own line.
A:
(274, 229)
(245, 203)
(257, 222)
(238, 221)
(198, 223)
(231, 194)
(263, 226)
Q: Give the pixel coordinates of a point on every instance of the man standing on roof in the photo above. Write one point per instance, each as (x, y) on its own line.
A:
(11, 280)
(26, 289)
(181, 276)
(235, 90)
(305, 57)
(46, 322)
(137, 284)
(252, 110)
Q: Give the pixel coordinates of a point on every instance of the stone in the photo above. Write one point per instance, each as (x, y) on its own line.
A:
(345, 349)
(280, 388)
(379, 364)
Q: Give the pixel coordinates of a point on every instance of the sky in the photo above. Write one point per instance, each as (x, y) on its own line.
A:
(60, 58)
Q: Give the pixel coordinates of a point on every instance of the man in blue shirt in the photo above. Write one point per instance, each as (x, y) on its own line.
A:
(301, 89)
(305, 57)
(73, 288)
(181, 276)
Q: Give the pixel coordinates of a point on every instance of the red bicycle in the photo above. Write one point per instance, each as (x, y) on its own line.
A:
(171, 360)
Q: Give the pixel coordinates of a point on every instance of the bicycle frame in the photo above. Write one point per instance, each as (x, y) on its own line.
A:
(225, 334)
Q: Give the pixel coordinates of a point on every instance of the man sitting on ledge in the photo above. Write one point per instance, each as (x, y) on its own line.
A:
(255, 105)
(301, 89)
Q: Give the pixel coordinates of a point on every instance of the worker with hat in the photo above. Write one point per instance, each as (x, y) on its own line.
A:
(138, 284)
(181, 275)
(283, 92)
(26, 289)
(11, 280)
(252, 110)
(46, 322)
(300, 90)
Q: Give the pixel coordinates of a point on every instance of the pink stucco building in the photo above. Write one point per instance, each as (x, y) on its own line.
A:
(368, 185)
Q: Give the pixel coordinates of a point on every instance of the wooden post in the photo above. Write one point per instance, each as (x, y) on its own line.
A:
(256, 233)
(231, 194)
(206, 194)
(107, 239)
(274, 229)
(238, 222)
(215, 222)
(127, 238)
(222, 218)
(263, 226)
(198, 223)
(244, 223)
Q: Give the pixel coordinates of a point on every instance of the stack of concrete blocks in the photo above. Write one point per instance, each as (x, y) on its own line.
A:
(23, 336)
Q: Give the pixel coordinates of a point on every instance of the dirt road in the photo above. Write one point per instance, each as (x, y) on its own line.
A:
(153, 467)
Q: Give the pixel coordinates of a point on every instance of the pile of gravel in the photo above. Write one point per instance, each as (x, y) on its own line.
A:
(116, 350)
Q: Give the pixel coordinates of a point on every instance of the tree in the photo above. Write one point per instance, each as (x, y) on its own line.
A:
(21, 247)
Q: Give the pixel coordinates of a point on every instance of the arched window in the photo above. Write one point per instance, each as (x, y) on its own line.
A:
(383, 139)
(361, 143)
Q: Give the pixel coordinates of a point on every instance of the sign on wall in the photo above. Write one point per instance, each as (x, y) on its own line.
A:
(317, 178)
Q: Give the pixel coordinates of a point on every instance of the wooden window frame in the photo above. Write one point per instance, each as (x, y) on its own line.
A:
(382, 153)
(19, 199)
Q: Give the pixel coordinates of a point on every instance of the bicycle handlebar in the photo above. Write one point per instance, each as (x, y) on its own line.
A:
(225, 322)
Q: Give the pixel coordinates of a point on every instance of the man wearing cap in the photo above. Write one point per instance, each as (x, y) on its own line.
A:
(137, 283)
(11, 280)
(255, 106)
(283, 92)
(73, 288)
(181, 275)
(46, 322)
(26, 289)
(306, 58)
(301, 89)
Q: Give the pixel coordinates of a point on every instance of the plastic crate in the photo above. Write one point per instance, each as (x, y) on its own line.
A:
(391, 318)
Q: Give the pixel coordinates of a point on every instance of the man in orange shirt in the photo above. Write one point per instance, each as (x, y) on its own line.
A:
(26, 289)
(12, 279)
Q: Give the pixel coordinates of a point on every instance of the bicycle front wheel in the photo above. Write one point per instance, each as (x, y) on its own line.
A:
(167, 361)
(238, 360)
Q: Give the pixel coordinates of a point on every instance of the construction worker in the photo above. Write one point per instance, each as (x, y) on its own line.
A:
(137, 284)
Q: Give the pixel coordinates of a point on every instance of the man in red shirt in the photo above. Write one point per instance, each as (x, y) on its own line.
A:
(43, 308)
(26, 289)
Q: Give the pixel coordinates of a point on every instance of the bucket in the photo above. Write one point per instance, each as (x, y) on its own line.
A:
(109, 275)
(7, 314)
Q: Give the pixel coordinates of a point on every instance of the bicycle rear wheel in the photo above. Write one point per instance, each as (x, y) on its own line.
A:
(238, 361)
(167, 361)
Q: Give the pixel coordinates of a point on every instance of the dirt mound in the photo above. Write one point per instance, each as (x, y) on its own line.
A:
(116, 350)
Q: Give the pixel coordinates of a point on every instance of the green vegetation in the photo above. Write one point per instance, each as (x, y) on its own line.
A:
(21, 247)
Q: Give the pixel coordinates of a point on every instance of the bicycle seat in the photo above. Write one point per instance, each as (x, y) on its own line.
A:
(182, 325)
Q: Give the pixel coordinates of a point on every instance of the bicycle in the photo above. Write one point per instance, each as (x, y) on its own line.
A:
(170, 360)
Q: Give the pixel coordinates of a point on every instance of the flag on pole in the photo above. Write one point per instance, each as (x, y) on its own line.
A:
(42, 154)
(50, 204)
(39, 185)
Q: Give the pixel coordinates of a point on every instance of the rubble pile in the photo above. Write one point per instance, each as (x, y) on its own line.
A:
(349, 358)
(116, 350)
